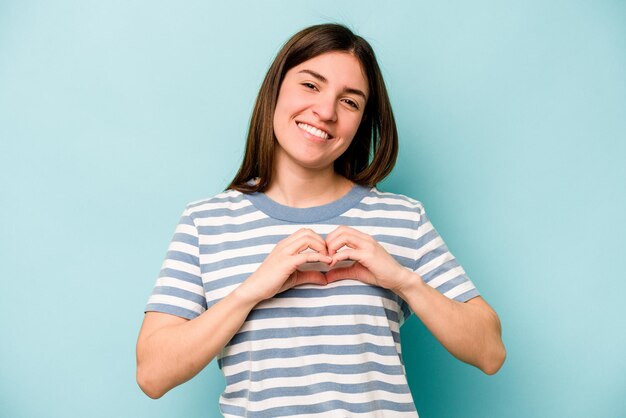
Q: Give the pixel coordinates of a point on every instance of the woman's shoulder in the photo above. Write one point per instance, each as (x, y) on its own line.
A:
(377, 196)
(227, 200)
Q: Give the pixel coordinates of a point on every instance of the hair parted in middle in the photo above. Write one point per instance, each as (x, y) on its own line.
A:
(374, 148)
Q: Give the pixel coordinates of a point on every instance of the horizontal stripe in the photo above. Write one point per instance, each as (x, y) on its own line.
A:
(229, 282)
(230, 271)
(285, 353)
(301, 391)
(230, 197)
(178, 274)
(444, 277)
(369, 204)
(171, 310)
(343, 330)
(332, 310)
(236, 261)
(233, 219)
(216, 246)
(187, 238)
(459, 280)
(344, 287)
(330, 320)
(284, 230)
(380, 214)
(182, 266)
(333, 293)
(257, 254)
(338, 412)
(175, 301)
(219, 294)
(465, 296)
(329, 403)
(432, 264)
(312, 369)
(298, 341)
(450, 265)
(359, 294)
(183, 257)
(398, 250)
(232, 410)
(184, 247)
(188, 229)
(304, 361)
(391, 201)
(175, 283)
(426, 244)
(407, 240)
(245, 250)
(258, 325)
(458, 290)
(228, 208)
(170, 290)
(277, 382)
(343, 413)
(365, 224)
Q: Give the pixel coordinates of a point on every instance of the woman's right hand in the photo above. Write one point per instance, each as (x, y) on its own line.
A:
(279, 271)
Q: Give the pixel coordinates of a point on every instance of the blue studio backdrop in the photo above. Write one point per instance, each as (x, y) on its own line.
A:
(512, 122)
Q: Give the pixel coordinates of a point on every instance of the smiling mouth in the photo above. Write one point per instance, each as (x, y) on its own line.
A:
(314, 131)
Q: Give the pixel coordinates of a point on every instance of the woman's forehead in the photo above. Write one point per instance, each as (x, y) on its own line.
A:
(335, 67)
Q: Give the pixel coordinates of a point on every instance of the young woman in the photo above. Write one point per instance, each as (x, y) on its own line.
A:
(299, 275)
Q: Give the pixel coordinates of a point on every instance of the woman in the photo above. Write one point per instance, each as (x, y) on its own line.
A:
(299, 275)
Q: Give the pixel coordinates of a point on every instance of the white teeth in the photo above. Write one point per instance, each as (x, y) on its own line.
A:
(313, 130)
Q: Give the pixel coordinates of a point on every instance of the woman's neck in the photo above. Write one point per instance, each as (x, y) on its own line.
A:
(300, 190)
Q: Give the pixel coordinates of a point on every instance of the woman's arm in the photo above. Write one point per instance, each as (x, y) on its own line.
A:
(470, 330)
(171, 350)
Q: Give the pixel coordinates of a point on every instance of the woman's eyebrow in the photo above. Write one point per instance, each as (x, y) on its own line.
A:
(323, 79)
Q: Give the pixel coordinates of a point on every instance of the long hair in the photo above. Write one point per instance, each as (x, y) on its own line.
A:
(374, 148)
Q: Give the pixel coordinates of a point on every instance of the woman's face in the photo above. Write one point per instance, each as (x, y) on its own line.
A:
(320, 106)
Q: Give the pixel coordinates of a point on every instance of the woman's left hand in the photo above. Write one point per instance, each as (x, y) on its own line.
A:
(373, 264)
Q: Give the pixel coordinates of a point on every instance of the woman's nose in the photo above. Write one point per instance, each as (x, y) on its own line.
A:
(326, 108)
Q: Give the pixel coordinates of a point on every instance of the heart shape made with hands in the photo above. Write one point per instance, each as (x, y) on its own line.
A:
(323, 267)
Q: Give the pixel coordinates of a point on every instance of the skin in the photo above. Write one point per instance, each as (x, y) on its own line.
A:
(171, 350)
(304, 174)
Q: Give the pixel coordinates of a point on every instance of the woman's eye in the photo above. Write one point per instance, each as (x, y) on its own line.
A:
(309, 86)
(351, 103)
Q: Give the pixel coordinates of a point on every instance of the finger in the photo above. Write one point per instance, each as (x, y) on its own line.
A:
(348, 254)
(311, 257)
(332, 236)
(303, 232)
(338, 231)
(301, 243)
(336, 241)
(346, 238)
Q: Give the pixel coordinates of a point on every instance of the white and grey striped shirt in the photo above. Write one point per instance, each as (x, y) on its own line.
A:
(312, 350)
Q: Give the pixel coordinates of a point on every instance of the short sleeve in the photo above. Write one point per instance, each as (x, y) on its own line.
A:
(178, 289)
(437, 266)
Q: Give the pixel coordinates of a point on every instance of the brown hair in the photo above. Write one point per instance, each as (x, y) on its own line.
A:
(374, 148)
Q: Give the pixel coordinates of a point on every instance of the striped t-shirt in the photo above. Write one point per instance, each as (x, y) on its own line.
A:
(321, 351)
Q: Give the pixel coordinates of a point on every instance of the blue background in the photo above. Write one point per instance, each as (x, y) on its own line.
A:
(512, 121)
